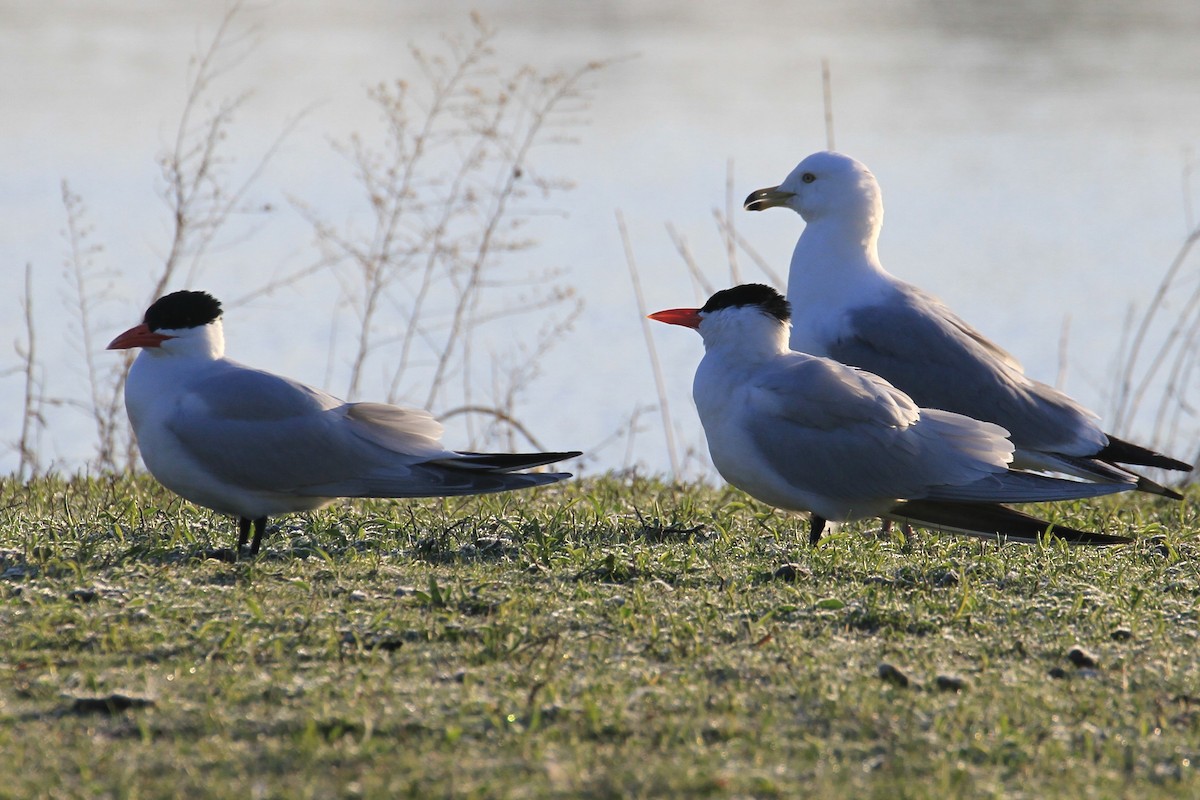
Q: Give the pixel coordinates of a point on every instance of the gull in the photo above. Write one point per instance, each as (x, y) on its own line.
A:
(847, 307)
(252, 444)
(805, 433)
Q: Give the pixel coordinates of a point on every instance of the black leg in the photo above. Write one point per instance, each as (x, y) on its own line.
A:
(243, 532)
(260, 526)
(815, 526)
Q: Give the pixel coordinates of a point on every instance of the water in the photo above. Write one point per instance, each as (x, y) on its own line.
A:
(1032, 158)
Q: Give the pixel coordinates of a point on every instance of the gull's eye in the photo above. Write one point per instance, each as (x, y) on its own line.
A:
(808, 177)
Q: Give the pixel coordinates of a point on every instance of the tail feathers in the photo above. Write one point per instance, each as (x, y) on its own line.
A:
(1123, 452)
(433, 480)
(1026, 487)
(1103, 471)
(992, 522)
(461, 474)
(1146, 485)
(1095, 469)
(503, 462)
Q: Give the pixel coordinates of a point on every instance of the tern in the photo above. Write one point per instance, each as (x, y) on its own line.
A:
(251, 444)
(805, 433)
(848, 308)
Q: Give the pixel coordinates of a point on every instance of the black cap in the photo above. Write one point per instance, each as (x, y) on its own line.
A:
(180, 310)
(751, 294)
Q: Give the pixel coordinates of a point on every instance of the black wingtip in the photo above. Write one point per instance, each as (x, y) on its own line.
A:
(1147, 485)
(507, 462)
(1122, 452)
(995, 521)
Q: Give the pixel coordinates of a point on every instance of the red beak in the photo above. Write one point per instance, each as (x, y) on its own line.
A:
(138, 336)
(687, 317)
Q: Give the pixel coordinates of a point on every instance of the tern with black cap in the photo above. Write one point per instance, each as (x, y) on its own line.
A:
(252, 444)
(805, 433)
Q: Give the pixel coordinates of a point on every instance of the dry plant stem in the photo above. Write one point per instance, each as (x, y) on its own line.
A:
(1174, 404)
(445, 191)
(512, 422)
(745, 247)
(501, 199)
(1129, 396)
(104, 405)
(1189, 168)
(685, 252)
(199, 194)
(728, 228)
(631, 429)
(512, 379)
(429, 272)
(1064, 340)
(827, 97)
(468, 290)
(380, 264)
(33, 399)
(188, 169)
(659, 383)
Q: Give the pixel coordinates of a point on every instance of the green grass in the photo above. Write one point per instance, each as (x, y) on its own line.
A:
(602, 639)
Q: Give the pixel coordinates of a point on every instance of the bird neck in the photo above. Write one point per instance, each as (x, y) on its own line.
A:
(849, 238)
(745, 338)
(205, 343)
(834, 257)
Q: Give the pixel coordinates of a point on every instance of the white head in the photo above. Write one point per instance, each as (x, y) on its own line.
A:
(826, 185)
(181, 323)
(751, 318)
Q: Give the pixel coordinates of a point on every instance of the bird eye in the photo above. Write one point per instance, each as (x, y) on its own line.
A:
(808, 177)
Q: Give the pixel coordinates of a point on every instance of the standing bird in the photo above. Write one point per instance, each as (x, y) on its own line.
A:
(805, 433)
(251, 444)
(850, 309)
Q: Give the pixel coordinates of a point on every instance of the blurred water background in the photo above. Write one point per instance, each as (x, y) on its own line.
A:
(1034, 159)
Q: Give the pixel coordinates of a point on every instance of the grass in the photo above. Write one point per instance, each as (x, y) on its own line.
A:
(607, 638)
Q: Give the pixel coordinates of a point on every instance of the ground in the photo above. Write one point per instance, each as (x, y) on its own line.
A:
(604, 638)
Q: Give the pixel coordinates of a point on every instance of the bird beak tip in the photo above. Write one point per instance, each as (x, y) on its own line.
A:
(687, 317)
(137, 336)
(762, 199)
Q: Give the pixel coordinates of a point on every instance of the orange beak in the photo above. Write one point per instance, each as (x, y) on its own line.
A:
(138, 336)
(687, 317)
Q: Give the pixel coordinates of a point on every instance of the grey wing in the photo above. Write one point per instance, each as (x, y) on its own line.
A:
(267, 433)
(837, 431)
(1024, 487)
(916, 343)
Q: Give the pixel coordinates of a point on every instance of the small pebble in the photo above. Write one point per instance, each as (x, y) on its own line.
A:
(791, 572)
(947, 578)
(1157, 545)
(1058, 673)
(112, 704)
(1121, 635)
(950, 683)
(892, 675)
(1082, 658)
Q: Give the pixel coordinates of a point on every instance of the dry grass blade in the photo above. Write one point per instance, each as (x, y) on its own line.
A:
(660, 386)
